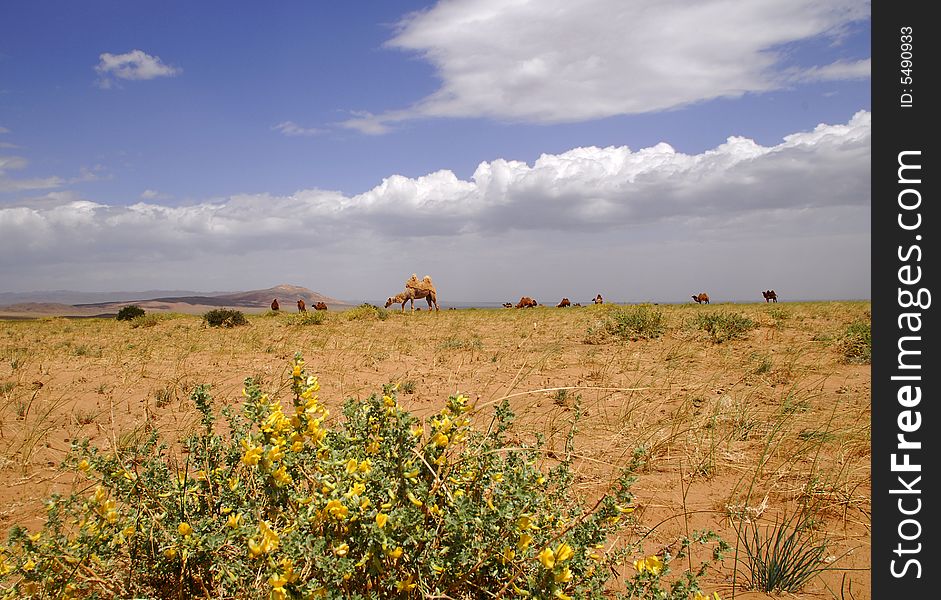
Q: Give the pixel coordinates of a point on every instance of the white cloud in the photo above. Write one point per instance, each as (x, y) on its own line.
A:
(154, 195)
(9, 184)
(563, 61)
(133, 65)
(813, 182)
(290, 128)
(839, 70)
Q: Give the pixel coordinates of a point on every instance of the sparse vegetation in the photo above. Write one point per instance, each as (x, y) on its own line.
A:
(723, 326)
(225, 317)
(310, 317)
(635, 322)
(367, 312)
(856, 343)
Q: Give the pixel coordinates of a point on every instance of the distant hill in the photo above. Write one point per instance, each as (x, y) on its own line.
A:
(70, 297)
(187, 302)
(287, 296)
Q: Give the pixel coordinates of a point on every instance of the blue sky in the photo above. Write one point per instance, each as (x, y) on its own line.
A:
(343, 146)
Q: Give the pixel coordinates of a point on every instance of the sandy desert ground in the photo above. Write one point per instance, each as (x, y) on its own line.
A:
(748, 427)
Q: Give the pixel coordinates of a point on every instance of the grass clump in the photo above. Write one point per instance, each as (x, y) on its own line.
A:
(723, 326)
(224, 317)
(310, 317)
(282, 504)
(784, 556)
(635, 322)
(130, 312)
(367, 312)
(144, 321)
(856, 343)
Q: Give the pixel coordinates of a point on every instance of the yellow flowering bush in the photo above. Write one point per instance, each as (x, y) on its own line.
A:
(280, 503)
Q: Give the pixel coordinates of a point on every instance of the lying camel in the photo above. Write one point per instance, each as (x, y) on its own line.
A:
(526, 302)
(275, 305)
(320, 306)
(507, 305)
(702, 298)
(565, 302)
(599, 299)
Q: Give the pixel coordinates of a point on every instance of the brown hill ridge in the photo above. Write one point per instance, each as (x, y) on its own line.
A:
(251, 301)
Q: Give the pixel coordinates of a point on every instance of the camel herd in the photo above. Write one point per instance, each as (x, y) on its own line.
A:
(416, 289)
(301, 305)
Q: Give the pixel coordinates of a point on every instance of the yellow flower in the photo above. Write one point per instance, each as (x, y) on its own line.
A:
(170, 552)
(297, 370)
(524, 541)
(508, 555)
(184, 529)
(700, 596)
(234, 521)
(413, 499)
(337, 509)
(282, 477)
(561, 595)
(29, 565)
(653, 564)
(342, 549)
(365, 466)
(563, 553)
(440, 439)
(381, 519)
(252, 453)
(388, 401)
(351, 466)
(372, 447)
(233, 482)
(563, 575)
(397, 553)
(524, 522)
(547, 558)
(84, 465)
(405, 586)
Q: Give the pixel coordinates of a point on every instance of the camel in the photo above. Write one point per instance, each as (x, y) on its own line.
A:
(507, 305)
(423, 288)
(301, 307)
(320, 306)
(565, 302)
(526, 302)
(702, 298)
(275, 305)
(770, 296)
(410, 295)
(599, 299)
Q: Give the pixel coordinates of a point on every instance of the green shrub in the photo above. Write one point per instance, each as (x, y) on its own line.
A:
(723, 325)
(280, 504)
(856, 343)
(310, 317)
(224, 317)
(129, 312)
(367, 312)
(635, 322)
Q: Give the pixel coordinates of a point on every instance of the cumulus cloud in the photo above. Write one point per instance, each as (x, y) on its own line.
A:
(561, 61)
(812, 181)
(290, 128)
(133, 65)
